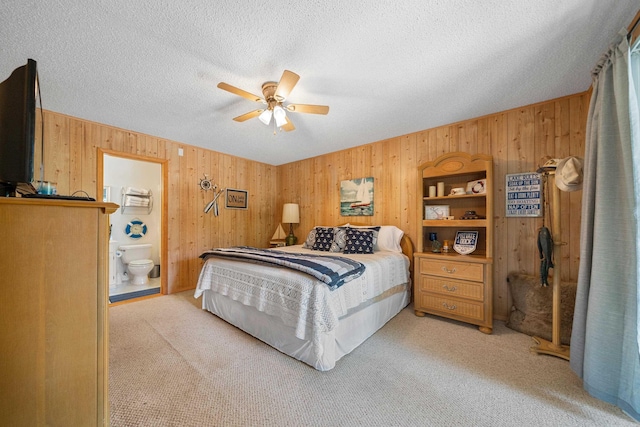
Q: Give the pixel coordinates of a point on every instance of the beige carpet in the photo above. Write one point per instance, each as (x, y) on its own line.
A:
(173, 364)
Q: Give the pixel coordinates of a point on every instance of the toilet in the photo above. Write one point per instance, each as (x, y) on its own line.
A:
(136, 259)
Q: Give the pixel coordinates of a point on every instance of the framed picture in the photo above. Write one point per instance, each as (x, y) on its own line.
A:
(236, 199)
(106, 193)
(466, 242)
(436, 211)
(356, 197)
(523, 194)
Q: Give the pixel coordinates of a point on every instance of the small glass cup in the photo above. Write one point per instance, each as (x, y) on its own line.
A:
(435, 244)
(47, 187)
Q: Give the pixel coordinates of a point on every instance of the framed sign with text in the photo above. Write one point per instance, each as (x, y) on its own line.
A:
(465, 242)
(524, 194)
(236, 199)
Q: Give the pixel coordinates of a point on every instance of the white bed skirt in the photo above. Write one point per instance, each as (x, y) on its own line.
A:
(352, 330)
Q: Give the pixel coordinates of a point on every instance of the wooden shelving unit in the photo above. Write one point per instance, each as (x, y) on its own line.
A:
(448, 284)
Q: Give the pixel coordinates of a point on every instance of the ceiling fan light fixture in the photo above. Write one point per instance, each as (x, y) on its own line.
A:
(280, 116)
(274, 95)
(265, 116)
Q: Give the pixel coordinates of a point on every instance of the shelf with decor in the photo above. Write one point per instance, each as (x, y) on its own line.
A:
(454, 277)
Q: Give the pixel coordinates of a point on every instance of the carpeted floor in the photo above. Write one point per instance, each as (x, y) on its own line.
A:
(173, 364)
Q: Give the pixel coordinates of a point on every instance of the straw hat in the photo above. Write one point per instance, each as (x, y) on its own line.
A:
(569, 174)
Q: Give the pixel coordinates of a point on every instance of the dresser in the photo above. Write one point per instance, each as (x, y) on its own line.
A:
(53, 312)
(455, 196)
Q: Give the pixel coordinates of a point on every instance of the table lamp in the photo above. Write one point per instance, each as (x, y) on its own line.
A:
(291, 215)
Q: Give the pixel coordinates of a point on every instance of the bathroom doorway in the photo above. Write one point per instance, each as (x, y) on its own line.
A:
(138, 185)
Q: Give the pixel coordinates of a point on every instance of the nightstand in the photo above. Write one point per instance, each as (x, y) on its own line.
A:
(277, 243)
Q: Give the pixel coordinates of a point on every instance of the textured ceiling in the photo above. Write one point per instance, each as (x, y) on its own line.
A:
(385, 68)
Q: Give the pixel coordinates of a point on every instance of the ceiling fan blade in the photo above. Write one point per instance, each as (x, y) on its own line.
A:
(247, 116)
(311, 109)
(240, 92)
(288, 127)
(286, 84)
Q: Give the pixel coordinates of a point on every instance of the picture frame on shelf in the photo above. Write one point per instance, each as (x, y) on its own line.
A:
(436, 212)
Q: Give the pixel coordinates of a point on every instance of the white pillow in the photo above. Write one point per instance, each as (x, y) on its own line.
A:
(388, 239)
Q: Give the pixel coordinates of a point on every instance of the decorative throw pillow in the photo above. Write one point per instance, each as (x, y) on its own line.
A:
(324, 239)
(374, 229)
(359, 241)
(339, 239)
(311, 239)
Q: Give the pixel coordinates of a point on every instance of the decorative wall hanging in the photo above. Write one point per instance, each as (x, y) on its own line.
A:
(135, 229)
(524, 194)
(206, 185)
(356, 197)
(237, 199)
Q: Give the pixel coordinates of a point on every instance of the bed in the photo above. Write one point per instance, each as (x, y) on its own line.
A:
(298, 313)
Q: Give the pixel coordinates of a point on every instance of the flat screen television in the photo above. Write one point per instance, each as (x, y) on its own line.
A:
(19, 95)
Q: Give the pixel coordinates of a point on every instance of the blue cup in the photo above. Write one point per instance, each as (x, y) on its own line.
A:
(47, 187)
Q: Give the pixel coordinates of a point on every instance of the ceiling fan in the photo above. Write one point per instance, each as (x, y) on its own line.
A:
(274, 96)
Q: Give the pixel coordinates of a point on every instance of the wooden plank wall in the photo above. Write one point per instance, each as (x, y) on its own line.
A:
(517, 139)
(71, 161)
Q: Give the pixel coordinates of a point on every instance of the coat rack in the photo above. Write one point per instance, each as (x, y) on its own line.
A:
(554, 347)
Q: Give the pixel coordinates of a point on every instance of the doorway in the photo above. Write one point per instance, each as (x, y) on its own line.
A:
(138, 184)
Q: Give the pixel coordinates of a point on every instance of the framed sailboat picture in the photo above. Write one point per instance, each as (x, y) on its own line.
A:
(356, 197)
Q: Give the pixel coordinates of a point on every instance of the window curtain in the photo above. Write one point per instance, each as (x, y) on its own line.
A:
(605, 337)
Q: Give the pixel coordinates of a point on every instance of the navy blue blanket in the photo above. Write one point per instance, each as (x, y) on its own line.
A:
(332, 270)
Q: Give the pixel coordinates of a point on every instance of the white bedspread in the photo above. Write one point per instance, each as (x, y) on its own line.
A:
(298, 299)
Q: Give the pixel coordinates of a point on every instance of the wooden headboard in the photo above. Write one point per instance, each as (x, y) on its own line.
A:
(407, 249)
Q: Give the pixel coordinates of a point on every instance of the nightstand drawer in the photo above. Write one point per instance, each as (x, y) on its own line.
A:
(452, 269)
(449, 287)
(452, 307)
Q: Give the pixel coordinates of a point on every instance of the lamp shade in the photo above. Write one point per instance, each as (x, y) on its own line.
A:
(290, 213)
(265, 116)
(280, 116)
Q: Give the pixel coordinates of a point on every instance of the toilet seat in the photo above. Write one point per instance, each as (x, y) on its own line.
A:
(141, 262)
